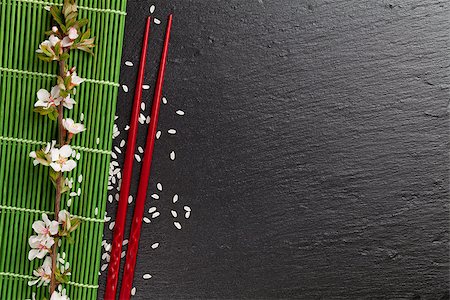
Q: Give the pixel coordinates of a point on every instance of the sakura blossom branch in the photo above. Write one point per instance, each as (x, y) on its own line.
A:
(67, 34)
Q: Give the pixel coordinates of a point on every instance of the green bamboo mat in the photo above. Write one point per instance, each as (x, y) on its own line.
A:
(26, 191)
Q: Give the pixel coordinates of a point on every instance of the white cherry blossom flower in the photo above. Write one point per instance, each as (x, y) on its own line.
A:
(57, 295)
(73, 33)
(73, 127)
(66, 42)
(75, 80)
(40, 246)
(64, 219)
(43, 273)
(46, 151)
(47, 48)
(48, 99)
(54, 40)
(60, 159)
(46, 227)
(68, 102)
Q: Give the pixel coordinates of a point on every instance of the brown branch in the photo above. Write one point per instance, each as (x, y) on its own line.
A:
(61, 142)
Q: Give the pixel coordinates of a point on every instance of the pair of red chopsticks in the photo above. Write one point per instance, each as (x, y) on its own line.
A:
(114, 264)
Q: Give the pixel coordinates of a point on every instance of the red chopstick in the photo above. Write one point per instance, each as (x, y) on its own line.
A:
(114, 264)
(128, 273)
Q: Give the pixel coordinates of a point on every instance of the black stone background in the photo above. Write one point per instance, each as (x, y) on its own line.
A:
(313, 152)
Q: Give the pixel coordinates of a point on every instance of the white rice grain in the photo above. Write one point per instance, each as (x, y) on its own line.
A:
(187, 208)
(152, 210)
(155, 245)
(111, 225)
(174, 213)
(125, 88)
(146, 220)
(155, 214)
(130, 199)
(175, 198)
(128, 63)
(180, 112)
(159, 186)
(147, 276)
(177, 225)
(164, 100)
(152, 9)
(138, 158)
(171, 131)
(158, 134)
(157, 21)
(155, 196)
(172, 155)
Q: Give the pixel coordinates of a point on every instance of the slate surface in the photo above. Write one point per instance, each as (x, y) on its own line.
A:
(313, 151)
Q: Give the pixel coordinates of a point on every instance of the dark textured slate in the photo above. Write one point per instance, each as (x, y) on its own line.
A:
(313, 152)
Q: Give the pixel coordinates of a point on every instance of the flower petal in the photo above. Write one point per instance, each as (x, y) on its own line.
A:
(56, 167)
(43, 95)
(39, 227)
(53, 228)
(55, 92)
(32, 254)
(65, 151)
(69, 165)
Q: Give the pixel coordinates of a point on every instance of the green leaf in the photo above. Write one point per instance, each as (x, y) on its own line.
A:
(82, 22)
(60, 80)
(54, 175)
(51, 112)
(44, 57)
(70, 239)
(58, 48)
(53, 115)
(63, 93)
(64, 189)
(86, 34)
(64, 56)
(61, 278)
(86, 49)
(74, 224)
(57, 15)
